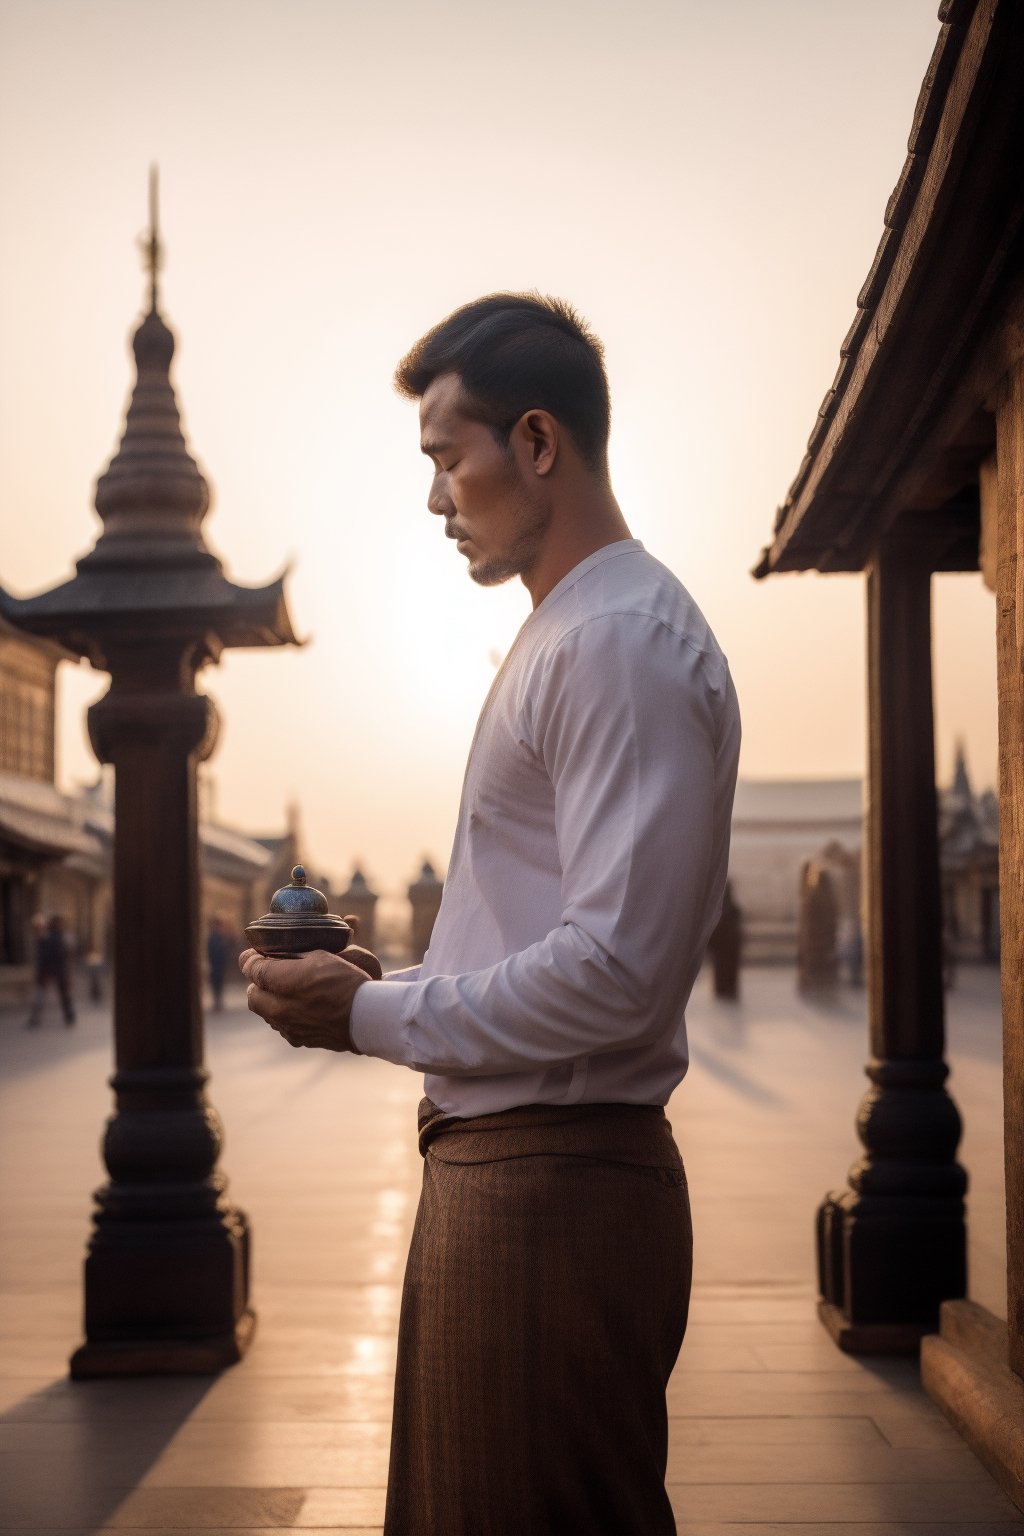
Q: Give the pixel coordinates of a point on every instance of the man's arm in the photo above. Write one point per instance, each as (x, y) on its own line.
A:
(627, 722)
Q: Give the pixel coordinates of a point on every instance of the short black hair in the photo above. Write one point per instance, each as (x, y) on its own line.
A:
(516, 352)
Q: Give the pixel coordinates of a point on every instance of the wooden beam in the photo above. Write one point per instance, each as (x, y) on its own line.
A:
(1010, 653)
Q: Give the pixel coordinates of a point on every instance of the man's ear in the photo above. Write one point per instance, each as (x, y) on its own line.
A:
(536, 435)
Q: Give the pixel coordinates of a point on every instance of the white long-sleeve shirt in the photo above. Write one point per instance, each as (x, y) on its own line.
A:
(589, 861)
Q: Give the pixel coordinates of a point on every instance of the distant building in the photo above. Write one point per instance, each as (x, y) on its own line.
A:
(969, 862)
(28, 670)
(778, 826)
(49, 859)
(425, 898)
(782, 826)
(361, 902)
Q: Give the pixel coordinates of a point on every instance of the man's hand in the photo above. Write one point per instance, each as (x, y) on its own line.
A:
(308, 1000)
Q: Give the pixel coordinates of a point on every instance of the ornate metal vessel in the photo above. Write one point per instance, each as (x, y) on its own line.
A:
(297, 922)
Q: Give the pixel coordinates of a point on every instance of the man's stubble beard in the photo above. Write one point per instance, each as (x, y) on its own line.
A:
(532, 520)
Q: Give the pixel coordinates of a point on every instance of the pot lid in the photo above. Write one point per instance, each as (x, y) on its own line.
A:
(298, 898)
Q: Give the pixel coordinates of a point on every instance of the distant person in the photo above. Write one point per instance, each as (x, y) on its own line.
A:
(94, 973)
(950, 941)
(818, 926)
(724, 948)
(38, 925)
(220, 951)
(853, 951)
(52, 966)
(548, 1281)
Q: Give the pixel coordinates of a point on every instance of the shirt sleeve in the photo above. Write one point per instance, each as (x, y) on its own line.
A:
(410, 973)
(625, 718)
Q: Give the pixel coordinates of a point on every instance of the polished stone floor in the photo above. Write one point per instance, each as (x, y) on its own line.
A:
(773, 1430)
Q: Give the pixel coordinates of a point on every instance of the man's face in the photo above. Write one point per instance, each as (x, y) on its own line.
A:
(488, 504)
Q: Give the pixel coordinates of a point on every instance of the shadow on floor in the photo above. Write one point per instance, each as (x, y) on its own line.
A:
(75, 1450)
(728, 1072)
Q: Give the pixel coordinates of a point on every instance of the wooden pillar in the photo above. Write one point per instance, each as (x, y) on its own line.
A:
(975, 1368)
(166, 1276)
(1010, 652)
(892, 1246)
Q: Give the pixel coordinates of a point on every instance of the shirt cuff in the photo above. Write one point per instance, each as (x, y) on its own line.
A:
(376, 1020)
(408, 973)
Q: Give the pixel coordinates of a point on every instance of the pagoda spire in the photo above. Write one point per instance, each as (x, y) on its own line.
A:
(152, 497)
(961, 780)
(150, 242)
(151, 556)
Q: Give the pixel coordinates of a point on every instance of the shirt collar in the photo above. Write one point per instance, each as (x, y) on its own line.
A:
(606, 552)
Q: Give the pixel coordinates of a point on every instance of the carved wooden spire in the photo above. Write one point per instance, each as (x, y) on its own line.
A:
(150, 573)
(152, 497)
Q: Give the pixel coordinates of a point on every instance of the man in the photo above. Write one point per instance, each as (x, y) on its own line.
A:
(53, 962)
(219, 948)
(548, 1280)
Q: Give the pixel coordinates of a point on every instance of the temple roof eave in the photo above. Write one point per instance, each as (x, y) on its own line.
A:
(900, 427)
(36, 817)
(99, 607)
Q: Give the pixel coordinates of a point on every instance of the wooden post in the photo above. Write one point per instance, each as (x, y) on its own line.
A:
(1010, 651)
(892, 1246)
(974, 1367)
(166, 1277)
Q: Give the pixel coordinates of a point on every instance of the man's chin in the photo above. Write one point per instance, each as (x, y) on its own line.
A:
(491, 573)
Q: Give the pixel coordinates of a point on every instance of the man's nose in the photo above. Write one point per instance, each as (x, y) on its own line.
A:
(438, 502)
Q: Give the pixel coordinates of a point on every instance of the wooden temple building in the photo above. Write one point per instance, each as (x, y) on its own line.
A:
(50, 859)
(916, 465)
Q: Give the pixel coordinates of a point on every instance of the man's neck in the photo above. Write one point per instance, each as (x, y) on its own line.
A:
(579, 528)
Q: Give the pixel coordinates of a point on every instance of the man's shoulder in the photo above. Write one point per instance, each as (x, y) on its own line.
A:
(629, 591)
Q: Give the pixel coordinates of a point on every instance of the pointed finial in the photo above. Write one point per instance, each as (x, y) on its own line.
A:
(152, 250)
(961, 779)
(152, 487)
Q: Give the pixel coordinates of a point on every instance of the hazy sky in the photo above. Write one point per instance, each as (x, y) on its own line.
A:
(706, 181)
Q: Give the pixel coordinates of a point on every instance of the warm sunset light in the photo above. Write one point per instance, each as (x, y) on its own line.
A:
(334, 179)
(511, 917)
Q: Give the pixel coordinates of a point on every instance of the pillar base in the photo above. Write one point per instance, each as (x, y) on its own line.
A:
(870, 1338)
(164, 1357)
(964, 1369)
(165, 1296)
(886, 1263)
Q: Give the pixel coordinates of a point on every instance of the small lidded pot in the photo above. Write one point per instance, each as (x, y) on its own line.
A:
(297, 922)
